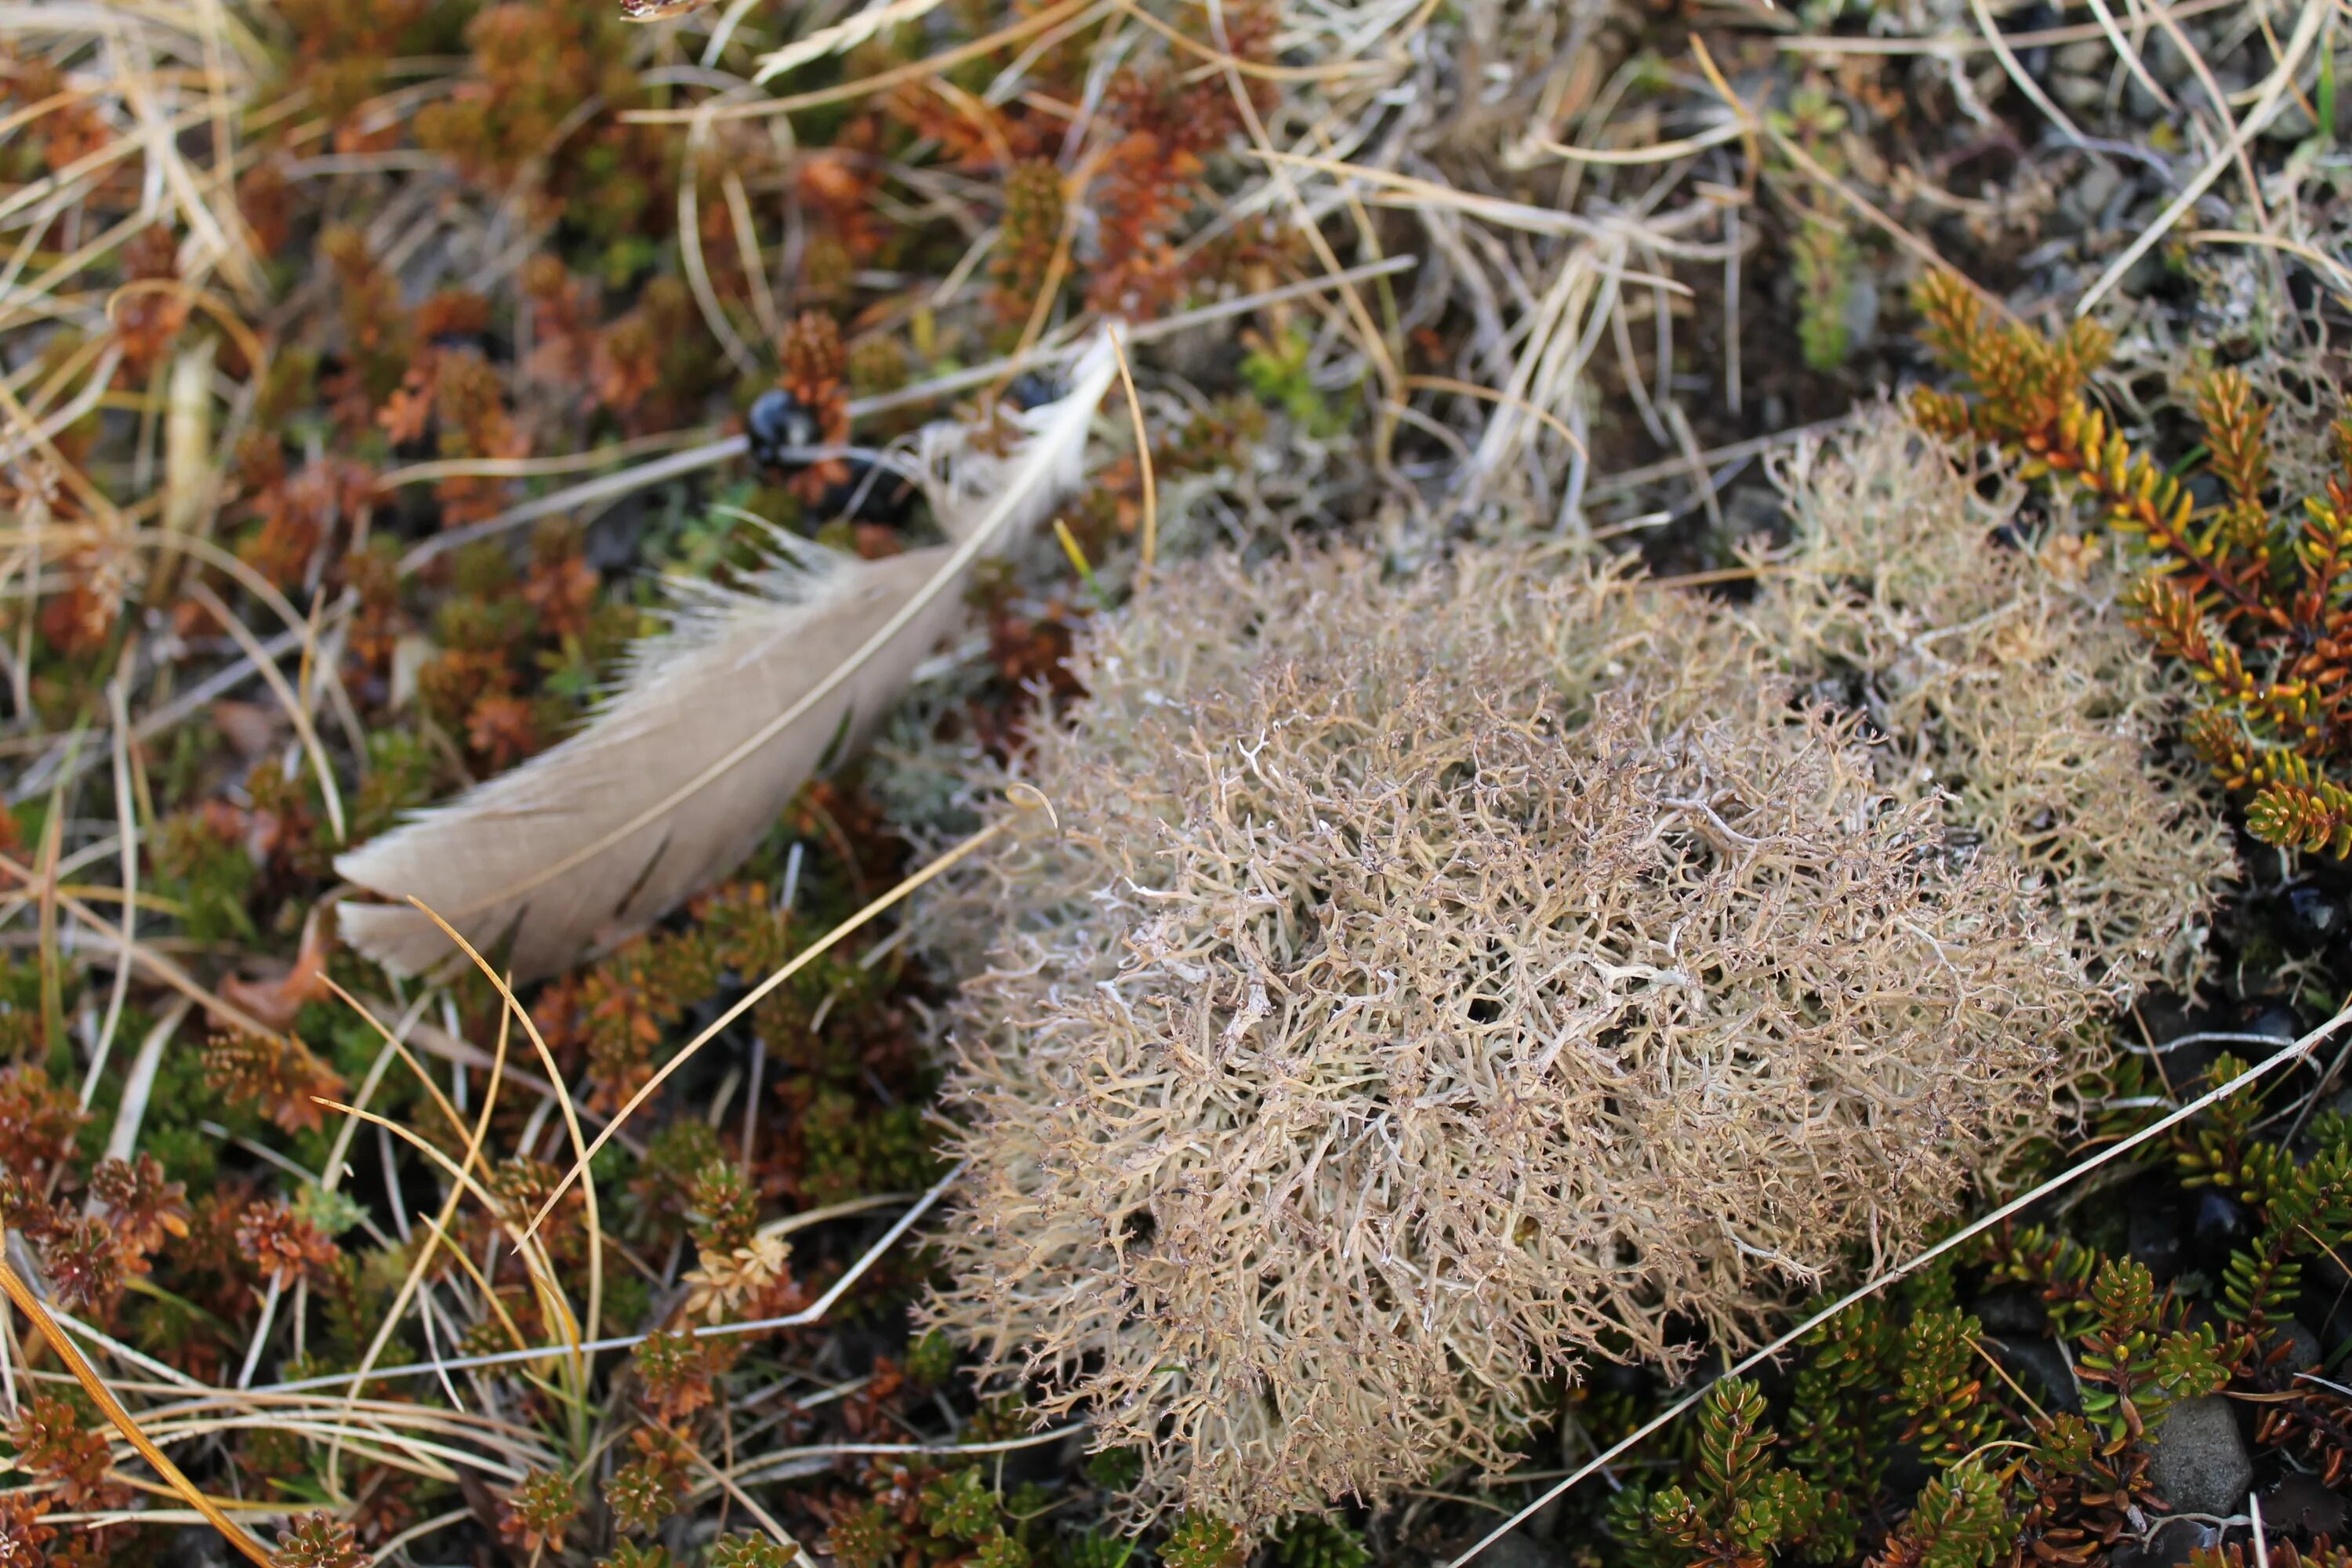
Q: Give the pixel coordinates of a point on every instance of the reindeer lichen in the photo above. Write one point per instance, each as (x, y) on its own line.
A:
(1423, 986)
(2009, 682)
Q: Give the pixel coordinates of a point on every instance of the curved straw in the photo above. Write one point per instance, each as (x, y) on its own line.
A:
(95, 1386)
(2295, 1052)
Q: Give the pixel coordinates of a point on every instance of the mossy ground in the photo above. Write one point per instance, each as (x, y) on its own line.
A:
(303, 296)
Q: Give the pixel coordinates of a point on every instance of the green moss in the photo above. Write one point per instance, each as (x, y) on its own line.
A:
(1114, 1470)
(1093, 1548)
(1201, 1541)
(930, 1359)
(854, 1147)
(403, 771)
(1319, 1543)
(204, 869)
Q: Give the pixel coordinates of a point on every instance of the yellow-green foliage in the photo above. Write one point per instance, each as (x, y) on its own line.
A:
(2242, 583)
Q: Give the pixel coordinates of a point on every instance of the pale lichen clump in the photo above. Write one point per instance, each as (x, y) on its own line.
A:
(2008, 681)
(1420, 987)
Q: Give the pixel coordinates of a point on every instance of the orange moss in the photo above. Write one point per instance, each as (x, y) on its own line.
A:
(1150, 175)
(147, 322)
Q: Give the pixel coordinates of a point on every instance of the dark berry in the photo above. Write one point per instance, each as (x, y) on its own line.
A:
(777, 423)
(869, 495)
(1032, 389)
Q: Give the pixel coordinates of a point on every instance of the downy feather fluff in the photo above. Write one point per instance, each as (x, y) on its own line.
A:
(714, 726)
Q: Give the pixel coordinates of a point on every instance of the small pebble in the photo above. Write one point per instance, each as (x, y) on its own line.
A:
(2198, 1462)
(1861, 315)
(2276, 1022)
(2077, 92)
(2167, 63)
(2291, 124)
(2095, 187)
(2155, 1240)
(197, 1546)
(2218, 1223)
(2300, 1505)
(2041, 1369)
(2313, 917)
(2143, 106)
(2011, 1312)
(2144, 275)
(2087, 56)
(1517, 1550)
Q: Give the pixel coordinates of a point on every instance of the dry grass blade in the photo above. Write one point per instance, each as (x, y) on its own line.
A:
(842, 36)
(37, 1311)
(1788, 147)
(519, 1014)
(599, 491)
(147, 958)
(2019, 76)
(1027, 27)
(814, 1312)
(1143, 457)
(743, 1499)
(785, 1461)
(297, 713)
(2337, 275)
(2073, 1173)
(437, 1230)
(752, 997)
(545, 1283)
(2272, 99)
(126, 829)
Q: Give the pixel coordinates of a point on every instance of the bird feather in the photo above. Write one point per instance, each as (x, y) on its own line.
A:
(714, 726)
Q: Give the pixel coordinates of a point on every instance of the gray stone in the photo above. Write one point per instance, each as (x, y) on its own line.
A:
(2168, 1547)
(2082, 93)
(2274, 1023)
(197, 1546)
(2011, 1312)
(2040, 1367)
(2304, 1353)
(2111, 216)
(2143, 276)
(2095, 188)
(2326, 1282)
(1752, 509)
(2087, 56)
(2165, 62)
(1861, 314)
(2298, 1504)
(2198, 1462)
(2291, 124)
(2144, 107)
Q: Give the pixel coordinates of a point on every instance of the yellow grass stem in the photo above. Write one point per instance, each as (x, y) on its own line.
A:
(31, 1305)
